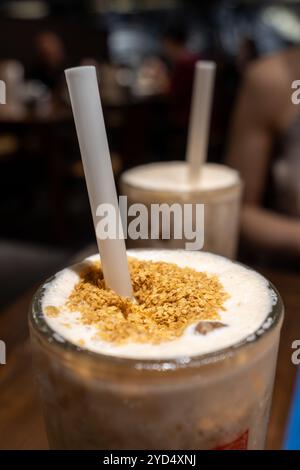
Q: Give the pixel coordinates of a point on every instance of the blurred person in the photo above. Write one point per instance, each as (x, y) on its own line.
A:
(50, 60)
(182, 65)
(247, 52)
(265, 147)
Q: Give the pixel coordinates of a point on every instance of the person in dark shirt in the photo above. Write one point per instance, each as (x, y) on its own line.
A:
(182, 65)
(50, 59)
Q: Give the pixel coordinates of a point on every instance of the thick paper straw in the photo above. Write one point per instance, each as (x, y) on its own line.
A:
(90, 127)
(200, 117)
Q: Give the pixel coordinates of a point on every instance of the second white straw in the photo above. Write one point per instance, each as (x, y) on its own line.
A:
(200, 117)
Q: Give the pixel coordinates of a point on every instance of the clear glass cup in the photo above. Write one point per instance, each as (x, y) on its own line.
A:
(219, 400)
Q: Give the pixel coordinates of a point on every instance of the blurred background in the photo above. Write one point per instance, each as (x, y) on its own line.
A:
(145, 53)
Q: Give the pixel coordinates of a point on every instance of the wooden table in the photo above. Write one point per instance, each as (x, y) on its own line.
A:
(21, 423)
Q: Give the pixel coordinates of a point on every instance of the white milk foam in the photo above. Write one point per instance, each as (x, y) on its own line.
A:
(173, 176)
(249, 304)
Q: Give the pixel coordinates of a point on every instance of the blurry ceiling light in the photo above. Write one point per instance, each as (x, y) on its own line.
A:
(27, 9)
(117, 6)
(284, 21)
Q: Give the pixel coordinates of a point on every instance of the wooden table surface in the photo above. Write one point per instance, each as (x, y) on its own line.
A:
(21, 422)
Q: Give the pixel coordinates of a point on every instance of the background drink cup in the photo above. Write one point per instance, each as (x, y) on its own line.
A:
(221, 203)
(221, 208)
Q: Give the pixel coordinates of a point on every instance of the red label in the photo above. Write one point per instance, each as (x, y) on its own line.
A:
(240, 443)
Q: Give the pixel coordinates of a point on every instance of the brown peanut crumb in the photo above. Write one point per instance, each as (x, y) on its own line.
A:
(51, 311)
(204, 327)
(168, 299)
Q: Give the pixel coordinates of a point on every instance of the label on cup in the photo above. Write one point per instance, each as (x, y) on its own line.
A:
(240, 443)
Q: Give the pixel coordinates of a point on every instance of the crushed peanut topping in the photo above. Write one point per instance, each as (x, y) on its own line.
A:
(168, 299)
(51, 311)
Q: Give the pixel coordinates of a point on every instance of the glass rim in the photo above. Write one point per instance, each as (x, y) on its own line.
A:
(39, 324)
(123, 180)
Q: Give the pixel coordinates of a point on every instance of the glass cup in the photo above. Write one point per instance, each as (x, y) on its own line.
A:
(219, 400)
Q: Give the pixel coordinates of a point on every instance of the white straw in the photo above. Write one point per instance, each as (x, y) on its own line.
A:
(90, 127)
(200, 117)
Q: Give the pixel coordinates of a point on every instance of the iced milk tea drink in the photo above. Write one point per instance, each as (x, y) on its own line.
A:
(188, 365)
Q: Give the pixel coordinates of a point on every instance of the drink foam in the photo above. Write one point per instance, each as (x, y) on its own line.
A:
(173, 176)
(247, 308)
